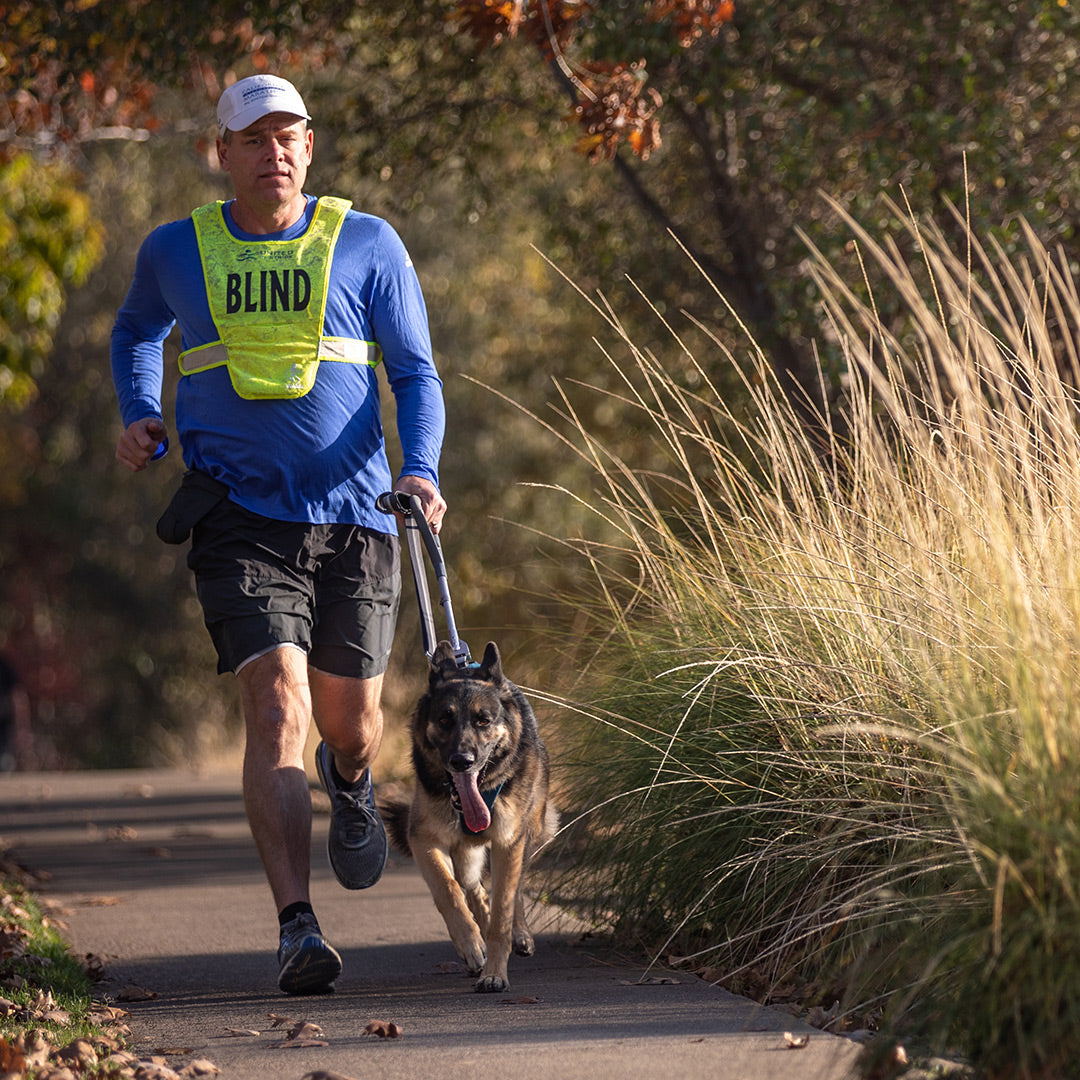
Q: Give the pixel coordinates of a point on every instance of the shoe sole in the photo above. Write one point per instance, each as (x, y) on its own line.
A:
(344, 881)
(311, 972)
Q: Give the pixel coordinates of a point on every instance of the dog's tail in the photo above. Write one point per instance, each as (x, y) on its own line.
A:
(393, 808)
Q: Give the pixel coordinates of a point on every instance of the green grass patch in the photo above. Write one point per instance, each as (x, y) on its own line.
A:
(48, 1016)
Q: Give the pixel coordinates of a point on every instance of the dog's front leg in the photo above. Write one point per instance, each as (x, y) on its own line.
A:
(468, 862)
(437, 871)
(506, 867)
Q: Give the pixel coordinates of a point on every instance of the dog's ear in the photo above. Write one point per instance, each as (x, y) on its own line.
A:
(443, 657)
(491, 665)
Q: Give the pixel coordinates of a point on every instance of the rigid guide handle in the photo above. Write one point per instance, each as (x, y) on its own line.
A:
(418, 531)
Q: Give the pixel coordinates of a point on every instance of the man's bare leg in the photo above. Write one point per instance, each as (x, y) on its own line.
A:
(348, 714)
(349, 718)
(276, 702)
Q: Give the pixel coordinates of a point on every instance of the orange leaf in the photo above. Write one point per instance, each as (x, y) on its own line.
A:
(384, 1029)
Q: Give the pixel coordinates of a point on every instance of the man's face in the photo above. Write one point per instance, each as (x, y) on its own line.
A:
(268, 161)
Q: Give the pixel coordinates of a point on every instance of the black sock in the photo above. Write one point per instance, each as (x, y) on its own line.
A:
(301, 907)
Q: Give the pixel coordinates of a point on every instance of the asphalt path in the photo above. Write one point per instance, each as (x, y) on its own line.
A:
(155, 873)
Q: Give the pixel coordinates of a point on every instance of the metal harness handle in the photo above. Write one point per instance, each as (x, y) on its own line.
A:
(419, 535)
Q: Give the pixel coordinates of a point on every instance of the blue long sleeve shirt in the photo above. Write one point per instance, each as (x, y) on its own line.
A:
(317, 458)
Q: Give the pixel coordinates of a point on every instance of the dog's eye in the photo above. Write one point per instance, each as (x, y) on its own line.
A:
(446, 719)
(481, 720)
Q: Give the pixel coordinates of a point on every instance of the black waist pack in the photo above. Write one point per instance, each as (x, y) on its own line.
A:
(197, 495)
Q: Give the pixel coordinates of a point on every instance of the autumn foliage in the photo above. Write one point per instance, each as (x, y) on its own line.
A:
(612, 103)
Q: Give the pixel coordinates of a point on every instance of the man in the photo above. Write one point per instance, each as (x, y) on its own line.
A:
(286, 304)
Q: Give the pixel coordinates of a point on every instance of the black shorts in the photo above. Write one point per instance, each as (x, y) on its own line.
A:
(333, 590)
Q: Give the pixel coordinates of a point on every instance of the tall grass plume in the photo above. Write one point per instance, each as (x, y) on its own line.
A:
(829, 747)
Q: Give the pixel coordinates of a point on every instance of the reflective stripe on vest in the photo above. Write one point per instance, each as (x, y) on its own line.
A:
(268, 300)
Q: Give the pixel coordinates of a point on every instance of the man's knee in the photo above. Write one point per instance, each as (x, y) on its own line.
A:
(356, 743)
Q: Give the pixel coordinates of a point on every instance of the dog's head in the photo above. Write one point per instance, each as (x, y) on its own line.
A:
(468, 719)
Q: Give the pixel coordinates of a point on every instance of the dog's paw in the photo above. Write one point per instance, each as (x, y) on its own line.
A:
(474, 957)
(491, 984)
(523, 943)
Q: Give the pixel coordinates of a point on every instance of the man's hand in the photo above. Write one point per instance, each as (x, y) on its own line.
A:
(139, 443)
(434, 505)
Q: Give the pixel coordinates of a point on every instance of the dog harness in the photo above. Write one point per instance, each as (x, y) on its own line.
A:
(268, 301)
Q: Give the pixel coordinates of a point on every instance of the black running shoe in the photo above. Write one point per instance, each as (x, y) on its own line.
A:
(357, 844)
(309, 963)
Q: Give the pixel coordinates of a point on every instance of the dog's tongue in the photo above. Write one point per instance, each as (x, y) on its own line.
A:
(477, 814)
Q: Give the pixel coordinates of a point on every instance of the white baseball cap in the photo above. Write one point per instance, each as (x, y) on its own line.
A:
(253, 98)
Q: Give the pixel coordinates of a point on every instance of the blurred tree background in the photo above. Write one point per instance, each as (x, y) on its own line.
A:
(601, 138)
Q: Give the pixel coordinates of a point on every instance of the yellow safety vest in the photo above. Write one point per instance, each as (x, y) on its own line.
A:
(268, 300)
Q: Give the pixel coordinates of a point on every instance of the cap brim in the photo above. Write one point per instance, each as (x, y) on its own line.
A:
(246, 117)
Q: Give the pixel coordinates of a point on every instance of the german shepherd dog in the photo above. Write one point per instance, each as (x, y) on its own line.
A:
(482, 787)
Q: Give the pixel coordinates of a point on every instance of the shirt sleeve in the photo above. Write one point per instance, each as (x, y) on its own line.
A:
(141, 326)
(399, 320)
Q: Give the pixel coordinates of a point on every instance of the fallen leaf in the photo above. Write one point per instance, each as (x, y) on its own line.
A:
(107, 1014)
(199, 1067)
(36, 1047)
(795, 1042)
(520, 1001)
(131, 992)
(325, 1074)
(298, 1044)
(12, 1059)
(655, 980)
(101, 901)
(187, 832)
(237, 1032)
(78, 1053)
(153, 1070)
(305, 1030)
(279, 1021)
(449, 967)
(121, 1059)
(384, 1029)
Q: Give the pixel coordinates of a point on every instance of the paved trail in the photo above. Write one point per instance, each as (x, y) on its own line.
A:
(158, 874)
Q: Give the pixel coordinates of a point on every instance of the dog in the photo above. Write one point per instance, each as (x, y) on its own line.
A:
(482, 776)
